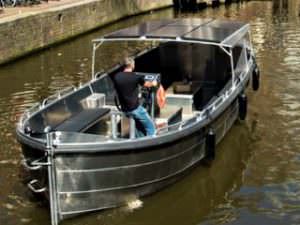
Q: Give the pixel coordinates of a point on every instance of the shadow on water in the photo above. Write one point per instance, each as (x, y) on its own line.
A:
(254, 178)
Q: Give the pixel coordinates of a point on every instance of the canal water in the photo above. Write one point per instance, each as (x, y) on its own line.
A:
(255, 178)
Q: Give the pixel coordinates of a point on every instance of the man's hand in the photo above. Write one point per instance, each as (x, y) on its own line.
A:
(150, 84)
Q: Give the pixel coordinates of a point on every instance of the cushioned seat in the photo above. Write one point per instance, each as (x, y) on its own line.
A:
(82, 120)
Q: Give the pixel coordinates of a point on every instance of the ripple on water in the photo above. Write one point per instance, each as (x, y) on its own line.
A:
(281, 198)
(271, 202)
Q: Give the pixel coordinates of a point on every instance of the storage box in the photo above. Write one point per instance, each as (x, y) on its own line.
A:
(96, 100)
(184, 101)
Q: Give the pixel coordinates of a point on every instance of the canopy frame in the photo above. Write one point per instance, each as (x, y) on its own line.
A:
(226, 45)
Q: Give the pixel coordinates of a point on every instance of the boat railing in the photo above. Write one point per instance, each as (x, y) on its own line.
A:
(205, 113)
(45, 102)
(34, 108)
(58, 95)
(65, 138)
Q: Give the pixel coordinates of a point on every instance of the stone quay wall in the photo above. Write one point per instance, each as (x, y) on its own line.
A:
(27, 32)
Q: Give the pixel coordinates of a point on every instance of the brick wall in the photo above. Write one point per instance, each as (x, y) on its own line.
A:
(30, 32)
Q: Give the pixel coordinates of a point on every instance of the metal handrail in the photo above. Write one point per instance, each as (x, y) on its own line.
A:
(38, 106)
(39, 162)
(32, 188)
(25, 116)
(35, 107)
(199, 115)
(212, 107)
(67, 90)
(58, 95)
(28, 165)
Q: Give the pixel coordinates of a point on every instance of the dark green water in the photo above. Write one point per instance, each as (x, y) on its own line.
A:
(255, 178)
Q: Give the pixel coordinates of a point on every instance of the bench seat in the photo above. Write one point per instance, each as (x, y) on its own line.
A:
(82, 120)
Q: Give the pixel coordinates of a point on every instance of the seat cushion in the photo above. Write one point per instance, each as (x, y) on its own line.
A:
(82, 120)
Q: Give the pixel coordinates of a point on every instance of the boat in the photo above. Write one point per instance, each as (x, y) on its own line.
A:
(83, 153)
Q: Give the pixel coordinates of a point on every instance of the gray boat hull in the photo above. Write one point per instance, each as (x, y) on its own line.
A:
(95, 180)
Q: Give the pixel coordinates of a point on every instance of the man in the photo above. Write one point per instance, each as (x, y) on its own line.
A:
(127, 83)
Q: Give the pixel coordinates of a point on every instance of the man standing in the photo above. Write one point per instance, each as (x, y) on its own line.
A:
(127, 86)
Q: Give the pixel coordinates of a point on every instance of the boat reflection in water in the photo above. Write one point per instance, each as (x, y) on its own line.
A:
(88, 150)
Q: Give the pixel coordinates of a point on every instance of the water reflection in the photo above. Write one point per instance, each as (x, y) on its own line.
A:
(255, 178)
(280, 7)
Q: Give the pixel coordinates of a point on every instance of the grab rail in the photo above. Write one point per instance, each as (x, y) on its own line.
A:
(58, 95)
(34, 189)
(99, 74)
(29, 167)
(38, 106)
(40, 163)
(34, 108)
(36, 164)
(66, 90)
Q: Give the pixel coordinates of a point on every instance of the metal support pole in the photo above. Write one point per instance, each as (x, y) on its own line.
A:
(131, 128)
(232, 68)
(152, 103)
(113, 126)
(225, 50)
(251, 45)
(95, 47)
(52, 180)
(93, 60)
(246, 56)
